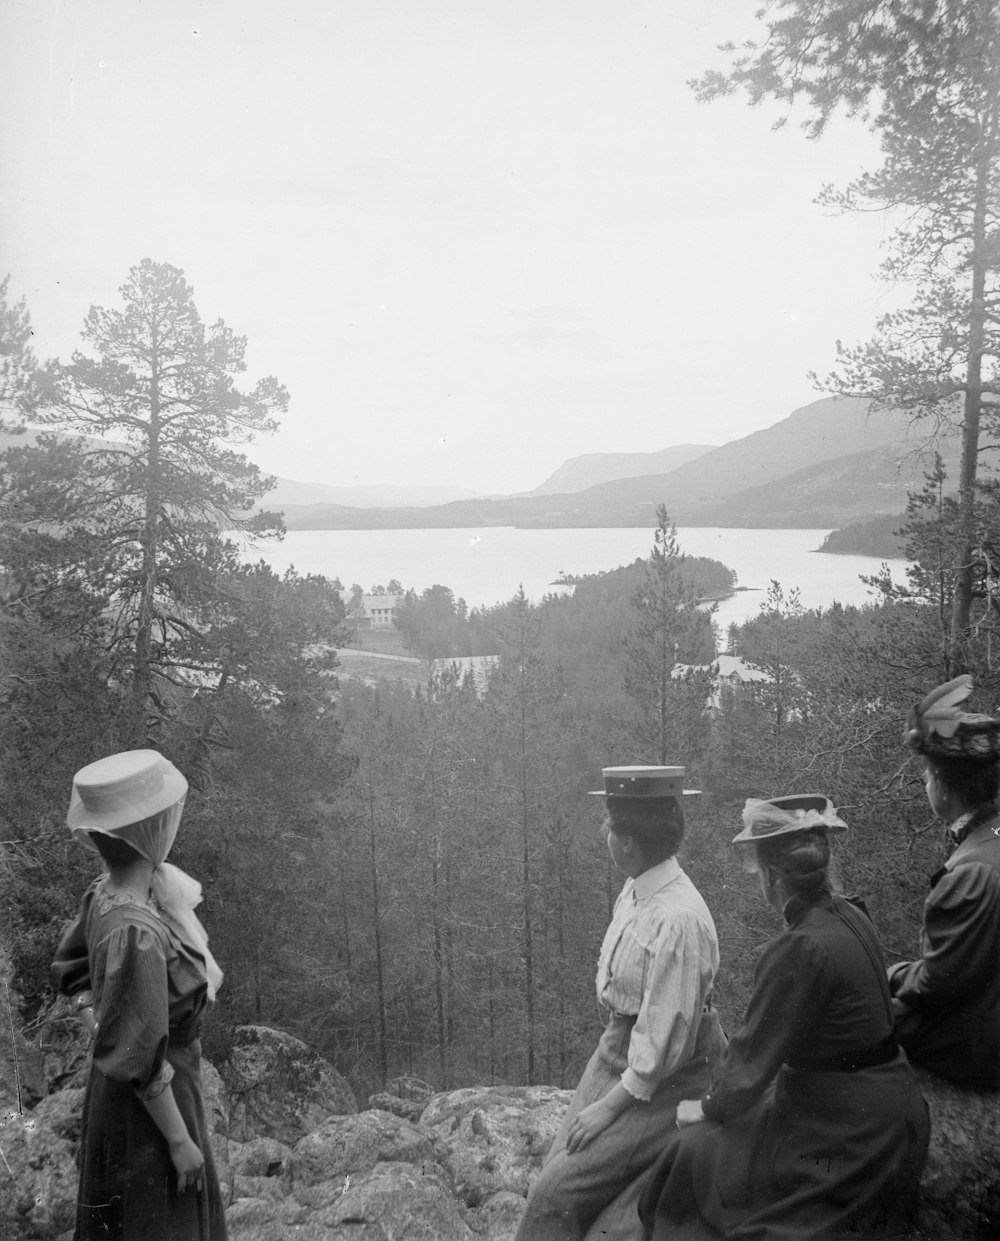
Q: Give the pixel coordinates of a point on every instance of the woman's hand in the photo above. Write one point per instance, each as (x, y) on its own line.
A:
(587, 1124)
(189, 1164)
(689, 1112)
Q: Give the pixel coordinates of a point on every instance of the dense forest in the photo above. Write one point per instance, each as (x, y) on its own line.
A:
(410, 880)
(876, 536)
(413, 879)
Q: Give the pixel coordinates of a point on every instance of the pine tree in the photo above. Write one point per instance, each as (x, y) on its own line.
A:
(155, 476)
(924, 78)
(667, 654)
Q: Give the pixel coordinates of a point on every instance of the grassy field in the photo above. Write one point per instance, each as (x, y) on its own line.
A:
(379, 641)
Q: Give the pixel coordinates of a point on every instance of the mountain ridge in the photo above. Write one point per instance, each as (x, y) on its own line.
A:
(777, 476)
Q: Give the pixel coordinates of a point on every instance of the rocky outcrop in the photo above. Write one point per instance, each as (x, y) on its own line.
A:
(456, 1172)
(961, 1183)
(279, 1088)
(494, 1139)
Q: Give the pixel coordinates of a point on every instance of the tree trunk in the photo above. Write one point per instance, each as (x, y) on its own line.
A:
(142, 675)
(962, 608)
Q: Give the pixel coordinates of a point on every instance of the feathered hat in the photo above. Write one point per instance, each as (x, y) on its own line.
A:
(938, 727)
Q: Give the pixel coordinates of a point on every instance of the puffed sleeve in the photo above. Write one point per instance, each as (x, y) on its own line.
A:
(961, 915)
(679, 978)
(791, 982)
(132, 1010)
(71, 965)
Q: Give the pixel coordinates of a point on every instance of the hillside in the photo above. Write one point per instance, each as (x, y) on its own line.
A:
(289, 492)
(794, 473)
(579, 473)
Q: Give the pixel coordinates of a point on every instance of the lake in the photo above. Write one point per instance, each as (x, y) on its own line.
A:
(486, 566)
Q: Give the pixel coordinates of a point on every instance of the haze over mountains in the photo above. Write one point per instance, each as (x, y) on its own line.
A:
(828, 463)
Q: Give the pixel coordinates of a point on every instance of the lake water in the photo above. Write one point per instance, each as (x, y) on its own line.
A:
(486, 566)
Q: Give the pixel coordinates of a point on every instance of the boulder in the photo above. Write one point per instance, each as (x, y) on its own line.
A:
(38, 1176)
(279, 1088)
(217, 1119)
(413, 1088)
(960, 1188)
(409, 1109)
(497, 1218)
(345, 1147)
(263, 1219)
(495, 1137)
(396, 1202)
(260, 1157)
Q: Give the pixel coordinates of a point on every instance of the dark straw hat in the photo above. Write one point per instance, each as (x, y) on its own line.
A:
(764, 818)
(643, 782)
(938, 727)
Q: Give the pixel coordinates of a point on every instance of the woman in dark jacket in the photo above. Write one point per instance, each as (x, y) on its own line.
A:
(947, 1001)
(136, 966)
(813, 1125)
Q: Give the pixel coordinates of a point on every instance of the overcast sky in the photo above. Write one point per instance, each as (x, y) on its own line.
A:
(472, 237)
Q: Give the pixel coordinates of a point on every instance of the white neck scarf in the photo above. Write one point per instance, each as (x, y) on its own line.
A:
(178, 895)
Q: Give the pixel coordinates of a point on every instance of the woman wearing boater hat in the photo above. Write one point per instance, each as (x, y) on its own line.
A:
(813, 1125)
(947, 1001)
(136, 966)
(654, 980)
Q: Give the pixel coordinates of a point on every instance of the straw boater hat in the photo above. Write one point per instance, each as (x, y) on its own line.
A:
(764, 819)
(123, 789)
(938, 727)
(643, 782)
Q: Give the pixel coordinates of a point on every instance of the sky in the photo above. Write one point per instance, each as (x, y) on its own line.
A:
(473, 238)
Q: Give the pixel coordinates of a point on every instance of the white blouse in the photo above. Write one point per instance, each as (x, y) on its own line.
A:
(658, 962)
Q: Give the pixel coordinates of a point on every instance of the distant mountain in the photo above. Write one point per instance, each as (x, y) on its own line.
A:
(840, 491)
(794, 473)
(579, 473)
(289, 492)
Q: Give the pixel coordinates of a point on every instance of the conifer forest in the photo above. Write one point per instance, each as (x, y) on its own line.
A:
(415, 880)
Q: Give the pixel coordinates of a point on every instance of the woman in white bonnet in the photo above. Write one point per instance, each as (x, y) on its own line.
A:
(136, 967)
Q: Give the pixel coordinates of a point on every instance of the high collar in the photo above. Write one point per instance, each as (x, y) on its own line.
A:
(656, 877)
(958, 829)
(795, 908)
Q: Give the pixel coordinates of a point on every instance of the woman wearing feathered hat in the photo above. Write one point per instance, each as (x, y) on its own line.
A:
(947, 1001)
(136, 966)
(813, 1124)
(654, 981)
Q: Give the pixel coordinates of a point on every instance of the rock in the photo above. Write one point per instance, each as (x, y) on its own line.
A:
(348, 1146)
(409, 1088)
(265, 1188)
(260, 1219)
(63, 1111)
(409, 1109)
(497, 1218)
(495, 1138)
(960, 1188)
(260, 1157)
(279, 1088)
(217, 1119)
(38, 1179)
(396, 1202)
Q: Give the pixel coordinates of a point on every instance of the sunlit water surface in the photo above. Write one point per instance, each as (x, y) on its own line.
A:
(486, 566)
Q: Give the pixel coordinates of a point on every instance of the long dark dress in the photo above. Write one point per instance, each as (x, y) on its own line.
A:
(149, 990)
(815, 1127)
(951, 1024)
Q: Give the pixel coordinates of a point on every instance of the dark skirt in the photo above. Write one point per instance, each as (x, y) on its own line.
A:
(128, 1186)
(822, 1155)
